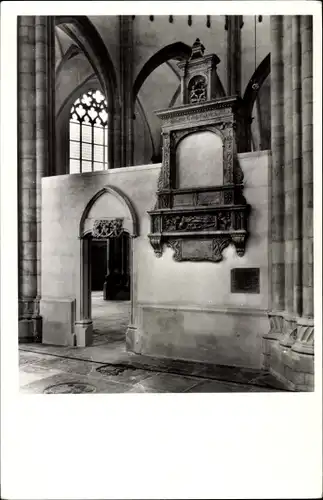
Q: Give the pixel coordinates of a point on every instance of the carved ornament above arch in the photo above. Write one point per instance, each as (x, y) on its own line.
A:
(104, 226)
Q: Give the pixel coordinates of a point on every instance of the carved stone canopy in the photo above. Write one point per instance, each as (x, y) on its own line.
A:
(199, 68)
(200, 222)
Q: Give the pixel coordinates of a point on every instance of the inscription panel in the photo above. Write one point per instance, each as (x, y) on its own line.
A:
(181, 200)
(245, 280)
(210, 198)
(197, 250)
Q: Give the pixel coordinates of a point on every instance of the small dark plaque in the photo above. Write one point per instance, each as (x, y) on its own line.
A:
(245, 280)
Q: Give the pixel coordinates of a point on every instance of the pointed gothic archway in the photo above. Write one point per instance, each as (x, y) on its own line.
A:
(109, 213)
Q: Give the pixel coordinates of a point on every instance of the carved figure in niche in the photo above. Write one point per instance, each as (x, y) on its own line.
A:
(156, 224)
(223, 220)
(197, 89)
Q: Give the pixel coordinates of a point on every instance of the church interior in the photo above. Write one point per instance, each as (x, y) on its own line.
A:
(165, 203)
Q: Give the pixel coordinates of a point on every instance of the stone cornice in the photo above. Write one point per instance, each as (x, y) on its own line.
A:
(189, 109)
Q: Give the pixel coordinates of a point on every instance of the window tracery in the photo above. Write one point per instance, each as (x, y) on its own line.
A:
(88, 128)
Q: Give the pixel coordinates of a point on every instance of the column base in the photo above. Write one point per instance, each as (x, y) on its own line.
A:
(133, 342)
(83, 333)
(30, 330)
(289, 353)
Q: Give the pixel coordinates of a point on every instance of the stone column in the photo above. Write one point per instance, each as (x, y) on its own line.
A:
(297, 165)
(127, 105)
(50, 85)
(288, 165)
(307, 155)
(234, 25)
(41, 126)
(289, 346)
(277, 171)
(33, 161)
(29, 319)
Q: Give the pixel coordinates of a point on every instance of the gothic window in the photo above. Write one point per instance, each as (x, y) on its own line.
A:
(89, 133)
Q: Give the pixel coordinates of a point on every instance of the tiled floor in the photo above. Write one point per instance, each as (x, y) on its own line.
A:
(106, 367)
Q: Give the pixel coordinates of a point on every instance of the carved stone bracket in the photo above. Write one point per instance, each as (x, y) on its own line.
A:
(105, 228)
(156, 243)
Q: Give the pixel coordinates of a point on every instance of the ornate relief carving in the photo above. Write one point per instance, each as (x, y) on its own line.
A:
(217, 221)
(219, 244)
(104, 228)
(189, 223)
(160, 183)
(164, 181)
(224, 221)
(197, 89)
(213, 254)
(195, 115)
(228, 197)
(237, 172)
(176, 245)
(164, 201)
(228, 157)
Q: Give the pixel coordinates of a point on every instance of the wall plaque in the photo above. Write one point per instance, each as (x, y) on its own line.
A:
(245, 280)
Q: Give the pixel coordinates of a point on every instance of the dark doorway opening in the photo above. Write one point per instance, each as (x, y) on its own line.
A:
(110, 266)
(110, 290)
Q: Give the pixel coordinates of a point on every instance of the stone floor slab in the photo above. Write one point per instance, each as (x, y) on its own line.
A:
(101, 386)
(165, 382)
(218, 386)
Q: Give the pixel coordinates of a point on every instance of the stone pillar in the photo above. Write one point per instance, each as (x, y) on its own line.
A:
(33, 161)
(307, 155)
(83, 327)
(234, 25)
(42, 123)
(289, 346)
(29, 319)
(288, 164)
(297, 165)
(51, 85)
(127, 105)
(277, 177)
(303, 348)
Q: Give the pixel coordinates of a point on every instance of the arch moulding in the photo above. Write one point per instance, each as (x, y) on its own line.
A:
(122, 197)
